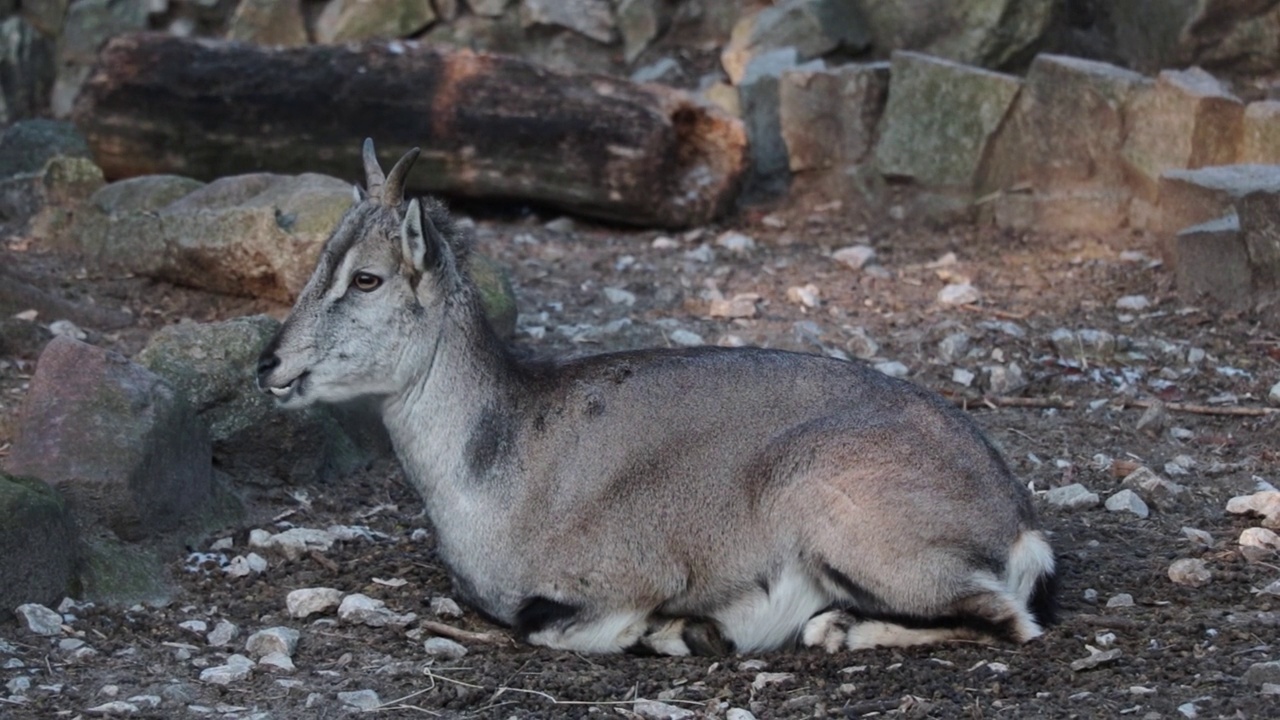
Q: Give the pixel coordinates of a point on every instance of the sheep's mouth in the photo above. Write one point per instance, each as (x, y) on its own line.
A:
(289, 390)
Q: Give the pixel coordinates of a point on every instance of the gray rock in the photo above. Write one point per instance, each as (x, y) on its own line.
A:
(1261, 142)
(1273, 395)
(237, 668)
(953, 347)
(443, 648)
(277, 662)
(939, 119)
(639, 22)
(223, 633)
(989, 33)
(1120, 600)
(1212, 261)
(827, 117)
(1162, 493)
(1004, 379)
(958, 294)
(1240, 37)
(214, 364)
(45, 175)
(271, 22)
(278, 639)
(364, 610)
(445, 607)
(39, 619)
(489, 8)
(1055, 162)
(1096, 659)
(1263, 672)
(686, 338)
(1127, 501)
(892, 368)
(592, 18)
(812, 28)
(1259, 213)
(758, 94)
(38, 550)
(306, 601)
(89, 24)
(361, 699)
(118, 441)
(27, 67)
(654, 710)
(854, 257)
(356, 20)
(26, 146)
(1084, 346)
(1072, 497)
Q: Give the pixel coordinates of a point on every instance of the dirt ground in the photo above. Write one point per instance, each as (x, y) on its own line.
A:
(1183, 650)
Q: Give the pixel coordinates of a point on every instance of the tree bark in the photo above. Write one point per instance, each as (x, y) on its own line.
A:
(489, 126)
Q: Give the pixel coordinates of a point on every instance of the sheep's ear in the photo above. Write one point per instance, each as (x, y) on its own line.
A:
(413, 240)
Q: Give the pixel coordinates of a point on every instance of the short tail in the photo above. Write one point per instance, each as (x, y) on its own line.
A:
(1030, 576)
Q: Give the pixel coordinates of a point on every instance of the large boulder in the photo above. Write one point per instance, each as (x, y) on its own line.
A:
(353, 20)
(812, 28)
(269, 22)
(120, 443)
(88, 25)
(37, 544)
(1238, 36)
(987, 33)
(1055, 163)
(1192, 197)
(213, 364)
(27, 69)
(828, 116)
(939, 120)
(45, 176)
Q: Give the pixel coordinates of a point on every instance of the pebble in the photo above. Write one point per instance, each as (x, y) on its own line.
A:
(703, 254)
(892, 368)
(198, 627)
(243, 565)
(364, 610)
(654, 710)
(18, 685)
(741, 714)
(1003, 379)
(236, 668)
(1191, 572)
(444, 648)
(276, 662)
(1128, 501)
(221, 544)
(1274, 396)
(1263, 672)
(963, 377)
(953, 347)
(1198, 536)
(959, 294)
(1120, 600)
(734, 241)
(1090, 596)
(222, 633)
(66, 328)
(753, 664)
(305, 601)
(445, 607)
(740, 306)
(360, 699)
(272, 640)
(686, 338)
(860, 344)
(1133, 303)
(1258, 544)
(1187, 710)
(1265, 503)
(40, 619)
(70, 644)
(295, 541)
(1272, 589)
(1072, 497)
(664, 243)
(618, 296)
(115, 707)
(770, 678)
(808, 295)
(1095, 659)
(855, 256)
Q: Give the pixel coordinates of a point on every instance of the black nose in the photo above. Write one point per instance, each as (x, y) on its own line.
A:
(266, 363)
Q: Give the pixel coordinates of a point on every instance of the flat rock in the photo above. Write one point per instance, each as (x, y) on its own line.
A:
(276, 662)
(38, 550)
(279, 639)
(118, 441)
(223, 633)
(269, 22)
(237, 668)
(1096, 659)
(938, 120)
(307, 601)
(1193, 197)
(1191, 572)
(364, 610)
(591, 18)
(361, 699)
(1128, 501)
(1072, 497)
(445, 607)
(1212, 261)
(811, 28)
(39, 619)
(1263, 672)
(444, 648)
(654, 710)
(854, 257)
(959, 294)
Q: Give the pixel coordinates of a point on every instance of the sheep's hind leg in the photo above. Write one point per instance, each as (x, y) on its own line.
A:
(682, 636)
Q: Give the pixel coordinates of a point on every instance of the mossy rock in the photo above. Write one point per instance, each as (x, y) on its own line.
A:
(38, 554)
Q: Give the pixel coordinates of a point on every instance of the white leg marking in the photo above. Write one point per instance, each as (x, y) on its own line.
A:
(827, 630)
(609, 634)
(765, 621)
(874, 633)
(667, 639)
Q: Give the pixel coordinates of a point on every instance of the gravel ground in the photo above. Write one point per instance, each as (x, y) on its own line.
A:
(1132, 641)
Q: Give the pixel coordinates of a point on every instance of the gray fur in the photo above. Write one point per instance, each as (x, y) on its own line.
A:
(597, 503)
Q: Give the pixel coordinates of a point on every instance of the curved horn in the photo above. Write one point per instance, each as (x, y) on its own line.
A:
(393, 192)
(373, 177)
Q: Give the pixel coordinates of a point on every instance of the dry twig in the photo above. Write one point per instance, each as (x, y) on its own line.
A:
(449, 631)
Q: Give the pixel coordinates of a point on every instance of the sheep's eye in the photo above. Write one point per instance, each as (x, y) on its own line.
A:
(366, 282)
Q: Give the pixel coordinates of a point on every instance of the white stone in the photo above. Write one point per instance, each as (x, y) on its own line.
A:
(1004, 379)
(237, 668)
(70, 644)
(654, 710)
(296, 541)
(953, 347)
(150, 701)
(445, 607)
(1128, 501)
(444, 648)
(221, 544)
(272, 640)
(739, 714)
(808, 295)
(892, 368)
(770, 678)
(686, 338)
(1272, 589)
(742, 305)
(1265, 503)
(664, 243)
(223, 633)
(18, 685)
(1133, 303)
(1095, 659)
(1198, 536)
(364, 610)
(361, 699)
(259, 538)
(963, 377)
(1072, 497)
(959, 294)
(238, 567)
(854, 256)
(305, 601)
(618, 296)
(198, 627)
(1191, 572)
(39, 619)
(735, 241)
(1274, 395)
(1259, 544)
(115, 707)
(1120, 600)
(276, 662)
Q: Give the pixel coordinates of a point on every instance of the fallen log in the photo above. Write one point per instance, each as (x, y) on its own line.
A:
(489, 126)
